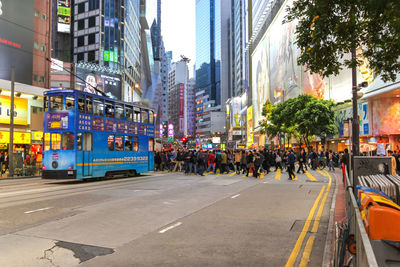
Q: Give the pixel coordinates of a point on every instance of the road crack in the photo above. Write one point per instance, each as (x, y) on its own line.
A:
(48, 255)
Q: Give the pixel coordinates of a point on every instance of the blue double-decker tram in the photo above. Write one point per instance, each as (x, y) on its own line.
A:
(88, 136)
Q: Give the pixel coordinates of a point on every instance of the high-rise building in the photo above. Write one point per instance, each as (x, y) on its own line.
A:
(209, 98)
(25, 46)
(132, 50)
(177, 98)
(164, 70)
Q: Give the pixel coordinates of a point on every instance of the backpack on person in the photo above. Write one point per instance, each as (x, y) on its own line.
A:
(278, 158)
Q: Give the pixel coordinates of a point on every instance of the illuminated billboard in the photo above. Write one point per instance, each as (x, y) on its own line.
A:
(20, 110)
(110, 84)
(64, 16)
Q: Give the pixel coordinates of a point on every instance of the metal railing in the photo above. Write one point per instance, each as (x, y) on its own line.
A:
(365, 255)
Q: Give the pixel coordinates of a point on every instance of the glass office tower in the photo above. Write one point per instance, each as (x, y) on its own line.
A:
(208, 49)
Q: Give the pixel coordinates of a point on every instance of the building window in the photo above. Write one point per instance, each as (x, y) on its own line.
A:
(91, 56)
(92, 38)
(37, 13)
(43, 48)
(92, 22)
(81, 24)
(80, 57)
(41, 79)
(36, 45)
(44, 17)
(36, 78)
(81, 8)
(81, 41)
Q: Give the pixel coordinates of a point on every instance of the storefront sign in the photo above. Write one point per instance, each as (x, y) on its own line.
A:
(364, 119)
(249, 126)
(372, 140)
(37, 136)
(20, 110)
(19, 137)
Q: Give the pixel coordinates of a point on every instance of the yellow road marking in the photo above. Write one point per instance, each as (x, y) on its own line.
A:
(321, 173)
(278, 174)
(312, 178)
(208, 173)
(232, 174)
(218, 174)
(244, 176)
(261, 175)
(321, 208)
(295, 178)
(295, 252)
(307, 252)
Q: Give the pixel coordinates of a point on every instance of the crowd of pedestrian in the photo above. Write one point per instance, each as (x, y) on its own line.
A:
(242, 161)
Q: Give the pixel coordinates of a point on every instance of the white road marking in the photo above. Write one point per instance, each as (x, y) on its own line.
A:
(170, 227)
(31, 211)
(265, 182)
(235, 196)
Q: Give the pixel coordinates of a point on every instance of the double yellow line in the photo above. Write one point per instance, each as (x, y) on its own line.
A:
(308, 248)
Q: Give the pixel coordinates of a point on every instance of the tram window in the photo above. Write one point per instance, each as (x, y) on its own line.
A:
(89, 106)
(119, 145)
(87, 141)
(69, 102)
(135, 143)
(128, 143)
(55, 141)
(109, 109)
(56, 102)
(111, 142)
(68, 141)
(128, 113)
(46, 103)
(151, 117)
(79, 141)
(46, 141)
(119, 111)
(145, 116)
(98, 106)
(81, 103)
(151, 144)
(136, 114)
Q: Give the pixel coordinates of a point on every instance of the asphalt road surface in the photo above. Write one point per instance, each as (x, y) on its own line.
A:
(166, 219)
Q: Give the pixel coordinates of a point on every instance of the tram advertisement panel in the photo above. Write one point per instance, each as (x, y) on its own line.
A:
(57, 120)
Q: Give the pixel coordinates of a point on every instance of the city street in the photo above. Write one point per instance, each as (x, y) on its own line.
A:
(166, 219)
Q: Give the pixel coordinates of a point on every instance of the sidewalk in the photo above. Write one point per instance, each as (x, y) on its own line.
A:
(337, 216)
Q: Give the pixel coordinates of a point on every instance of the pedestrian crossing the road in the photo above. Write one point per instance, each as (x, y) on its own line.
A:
(277, 176)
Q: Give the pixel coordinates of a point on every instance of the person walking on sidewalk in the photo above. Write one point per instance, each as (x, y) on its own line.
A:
(330, 161)
(243, 161)
(345, 160)
(291, 159)
(210, 161)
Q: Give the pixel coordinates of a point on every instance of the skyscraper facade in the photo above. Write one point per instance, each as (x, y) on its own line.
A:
(208, 65)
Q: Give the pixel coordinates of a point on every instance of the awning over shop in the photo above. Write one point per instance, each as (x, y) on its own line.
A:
(378, 86)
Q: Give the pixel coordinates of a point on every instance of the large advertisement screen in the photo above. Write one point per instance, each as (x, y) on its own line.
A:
(110, 84)
(16, 40)
(276, 76)
(64, 15)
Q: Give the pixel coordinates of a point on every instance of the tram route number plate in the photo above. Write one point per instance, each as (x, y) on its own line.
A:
(70, 172)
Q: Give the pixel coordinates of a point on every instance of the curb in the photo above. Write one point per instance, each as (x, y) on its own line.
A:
(18, 177)
(328, 257)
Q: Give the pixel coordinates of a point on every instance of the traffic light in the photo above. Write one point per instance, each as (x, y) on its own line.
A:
(184, 140)
(164, 129)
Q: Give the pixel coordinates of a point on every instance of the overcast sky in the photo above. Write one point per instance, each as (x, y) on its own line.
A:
(177, 27)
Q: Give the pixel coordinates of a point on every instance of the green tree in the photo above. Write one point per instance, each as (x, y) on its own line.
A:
(328, 30)
(303, 117)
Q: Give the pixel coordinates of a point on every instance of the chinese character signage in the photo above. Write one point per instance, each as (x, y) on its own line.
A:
(19, 137)
(97, 124)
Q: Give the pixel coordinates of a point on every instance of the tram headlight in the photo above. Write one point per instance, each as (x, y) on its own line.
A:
(71, 167)
(43, 167)
(54, 164)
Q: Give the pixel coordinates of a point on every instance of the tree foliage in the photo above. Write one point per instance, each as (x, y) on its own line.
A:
(327, 30)
(302, 117)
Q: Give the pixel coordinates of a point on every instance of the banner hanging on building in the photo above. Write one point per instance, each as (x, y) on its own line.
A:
(249, 126)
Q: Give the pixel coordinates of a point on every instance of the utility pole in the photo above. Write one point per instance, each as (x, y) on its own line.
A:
(11, 146)
(356, 122)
